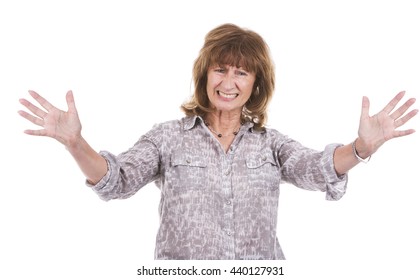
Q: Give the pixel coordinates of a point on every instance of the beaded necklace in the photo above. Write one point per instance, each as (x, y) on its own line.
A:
(235, 132)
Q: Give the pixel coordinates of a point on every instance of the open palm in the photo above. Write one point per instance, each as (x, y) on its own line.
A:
(377, 129)
(60, 125)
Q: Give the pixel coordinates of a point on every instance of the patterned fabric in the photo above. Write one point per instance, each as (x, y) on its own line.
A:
(218, 205)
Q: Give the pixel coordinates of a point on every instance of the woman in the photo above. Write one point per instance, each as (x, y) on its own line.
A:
(219, 168)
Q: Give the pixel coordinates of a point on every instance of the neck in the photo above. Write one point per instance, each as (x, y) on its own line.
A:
(223, 123)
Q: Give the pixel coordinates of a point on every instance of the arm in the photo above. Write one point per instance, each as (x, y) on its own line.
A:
(374, 131)
(66, 128)
(310, 169)
(92, 164)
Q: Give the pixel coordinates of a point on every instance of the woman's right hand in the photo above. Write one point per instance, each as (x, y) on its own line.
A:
(63, 126)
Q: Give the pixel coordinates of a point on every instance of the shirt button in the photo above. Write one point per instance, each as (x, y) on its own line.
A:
(228, 202)
(264, 158)
(228, 233)
(227, 172)
(188, 161)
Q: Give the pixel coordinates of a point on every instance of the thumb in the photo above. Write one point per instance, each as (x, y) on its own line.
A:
(365, 107)
(70, 102)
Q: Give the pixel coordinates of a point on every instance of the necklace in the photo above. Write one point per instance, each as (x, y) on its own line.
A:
(235, 132)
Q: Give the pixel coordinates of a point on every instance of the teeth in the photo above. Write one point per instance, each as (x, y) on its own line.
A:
(226, 95)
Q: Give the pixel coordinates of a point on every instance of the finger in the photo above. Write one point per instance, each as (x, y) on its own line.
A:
(41, 100)
(401, 133)
(70, 102)
(406, 118)
(39, 132)
(34, 109)
(391, 105)
(365, 107)
(400, 111)
(31, 118)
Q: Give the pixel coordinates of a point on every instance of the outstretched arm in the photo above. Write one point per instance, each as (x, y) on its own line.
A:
(374, 131)
(66, 128)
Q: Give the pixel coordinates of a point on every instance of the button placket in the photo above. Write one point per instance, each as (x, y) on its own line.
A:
(228, 223)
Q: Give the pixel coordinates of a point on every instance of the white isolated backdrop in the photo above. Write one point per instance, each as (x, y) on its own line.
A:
(129, 65)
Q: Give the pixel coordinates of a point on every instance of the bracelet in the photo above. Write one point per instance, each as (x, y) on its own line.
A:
(366, 160)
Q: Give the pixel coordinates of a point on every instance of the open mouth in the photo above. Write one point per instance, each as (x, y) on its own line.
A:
(227, 95)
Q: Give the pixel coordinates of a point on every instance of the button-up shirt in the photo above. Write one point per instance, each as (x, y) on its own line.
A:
(217, 204)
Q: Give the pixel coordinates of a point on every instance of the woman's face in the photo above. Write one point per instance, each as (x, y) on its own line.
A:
(229, 87)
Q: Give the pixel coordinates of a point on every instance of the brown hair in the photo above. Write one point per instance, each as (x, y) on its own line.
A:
(229, 44)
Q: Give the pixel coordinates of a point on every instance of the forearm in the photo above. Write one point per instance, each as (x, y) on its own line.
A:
(92, 164)
(345, 159)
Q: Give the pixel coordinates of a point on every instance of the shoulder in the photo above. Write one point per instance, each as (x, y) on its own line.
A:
(184, 123)
(265, 139)
(270, 134)
(170, 128)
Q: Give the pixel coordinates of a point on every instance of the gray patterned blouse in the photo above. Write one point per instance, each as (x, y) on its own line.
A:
(218, 205)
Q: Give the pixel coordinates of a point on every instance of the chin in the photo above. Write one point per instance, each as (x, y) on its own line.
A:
(228, 109)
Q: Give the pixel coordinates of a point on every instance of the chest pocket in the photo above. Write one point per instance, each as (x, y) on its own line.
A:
(188, 171)
(263, 170)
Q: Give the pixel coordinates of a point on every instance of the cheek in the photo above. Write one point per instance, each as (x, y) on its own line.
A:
(209, 89)
(247, 88)
(211, 83)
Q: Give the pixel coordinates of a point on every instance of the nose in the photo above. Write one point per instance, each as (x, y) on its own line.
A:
(228, 82)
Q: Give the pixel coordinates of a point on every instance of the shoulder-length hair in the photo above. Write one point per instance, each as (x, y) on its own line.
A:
(229, 44)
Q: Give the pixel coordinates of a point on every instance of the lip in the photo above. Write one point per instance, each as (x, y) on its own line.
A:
(227, 96)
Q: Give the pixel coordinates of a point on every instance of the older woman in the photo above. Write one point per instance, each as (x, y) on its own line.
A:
(219, 168)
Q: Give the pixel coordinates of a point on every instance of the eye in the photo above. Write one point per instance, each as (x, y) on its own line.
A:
(242, 73)
(219, 70)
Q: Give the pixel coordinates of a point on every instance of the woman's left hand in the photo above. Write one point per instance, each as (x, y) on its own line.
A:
(375, 130)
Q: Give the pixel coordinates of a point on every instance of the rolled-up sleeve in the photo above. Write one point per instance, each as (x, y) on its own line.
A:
(312, 170)
(336, 185)
(129, 171)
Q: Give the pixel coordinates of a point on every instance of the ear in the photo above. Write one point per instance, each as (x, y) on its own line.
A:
(256, 90)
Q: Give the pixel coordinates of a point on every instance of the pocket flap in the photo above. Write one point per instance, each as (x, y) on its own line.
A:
(188, 158)
(255, 160)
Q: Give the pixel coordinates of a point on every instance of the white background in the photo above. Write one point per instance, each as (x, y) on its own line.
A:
(129, 65)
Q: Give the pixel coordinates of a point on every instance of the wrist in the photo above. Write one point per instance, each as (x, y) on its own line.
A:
(361, 150)
(74, 143)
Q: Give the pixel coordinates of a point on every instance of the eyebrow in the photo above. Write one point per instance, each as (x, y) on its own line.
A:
(225, 64)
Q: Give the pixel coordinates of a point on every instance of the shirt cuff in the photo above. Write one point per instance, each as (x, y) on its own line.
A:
(336, 185)
(111, 170)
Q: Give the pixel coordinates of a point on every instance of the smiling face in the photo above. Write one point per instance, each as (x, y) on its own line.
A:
(219, 85)
(229, 87)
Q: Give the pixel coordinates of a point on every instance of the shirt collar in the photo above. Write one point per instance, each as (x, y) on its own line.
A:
(190, 122)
